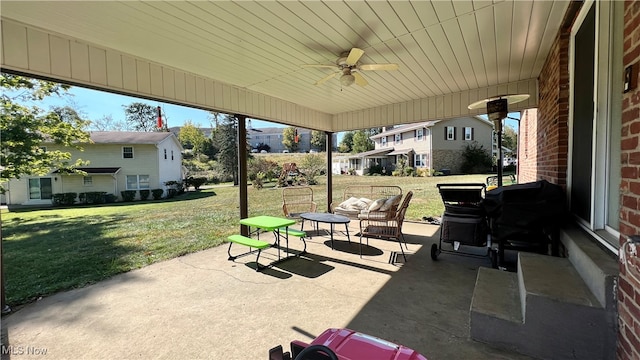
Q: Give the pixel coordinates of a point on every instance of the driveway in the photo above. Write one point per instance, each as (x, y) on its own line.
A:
(202, 306)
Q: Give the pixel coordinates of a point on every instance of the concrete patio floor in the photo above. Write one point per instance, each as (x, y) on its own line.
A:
(202, 306)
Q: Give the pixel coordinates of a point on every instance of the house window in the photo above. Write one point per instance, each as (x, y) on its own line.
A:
(127, 152)
(450, 133)
(468, 133)
(165, 154)
(40, 189)
(87, 181)
(383, 141)
(398, 138)
(419, 134)
(137, 182)
(595, 120)
(420, 160)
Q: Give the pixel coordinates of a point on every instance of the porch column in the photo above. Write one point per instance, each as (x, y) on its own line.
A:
(329, 148)
(242, 171)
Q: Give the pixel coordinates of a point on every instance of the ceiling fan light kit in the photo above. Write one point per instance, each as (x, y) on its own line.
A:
(347, 80)
(348, 64)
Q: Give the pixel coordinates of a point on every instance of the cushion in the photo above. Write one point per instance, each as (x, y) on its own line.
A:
(392, 201)
(377, 204)
(345, 204)
(360, 204)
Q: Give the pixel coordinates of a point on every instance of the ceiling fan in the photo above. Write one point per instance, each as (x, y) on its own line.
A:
(347, 65)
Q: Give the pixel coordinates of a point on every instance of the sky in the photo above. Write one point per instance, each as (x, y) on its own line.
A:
(95, 105)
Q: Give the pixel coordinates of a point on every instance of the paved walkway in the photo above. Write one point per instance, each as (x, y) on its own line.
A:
(201, 306)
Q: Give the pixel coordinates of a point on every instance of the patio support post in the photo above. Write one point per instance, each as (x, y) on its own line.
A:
(242, 171)
(329, 149)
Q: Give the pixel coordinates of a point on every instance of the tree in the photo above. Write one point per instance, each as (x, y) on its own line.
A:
(141, 117)
(318, 139)
(289, 139)
(227, 156)
(25, 129)
(361, 141)
(347, 142)
(191, 137)
(312, 166)
(510, 138)
(106, 123)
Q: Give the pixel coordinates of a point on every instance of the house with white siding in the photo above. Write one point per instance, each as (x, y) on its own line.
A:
(117, 161)
(431, 145)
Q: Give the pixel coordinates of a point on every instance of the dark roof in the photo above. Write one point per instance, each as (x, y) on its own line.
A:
(128, 137)
(96, 170)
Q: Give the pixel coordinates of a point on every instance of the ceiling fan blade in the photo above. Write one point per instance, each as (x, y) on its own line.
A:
(354, 55)
(360, 80)
(319, 66)
(367, 67)
(326, 78)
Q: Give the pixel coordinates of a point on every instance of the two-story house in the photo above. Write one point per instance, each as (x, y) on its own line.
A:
(117, 161)
(430, 145)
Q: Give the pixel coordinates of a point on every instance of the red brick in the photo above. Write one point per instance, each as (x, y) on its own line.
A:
(629, 172)
(626, 288)
(630, 202)
(634, 187)
(634, 219)
(629, 143)
(630, 115)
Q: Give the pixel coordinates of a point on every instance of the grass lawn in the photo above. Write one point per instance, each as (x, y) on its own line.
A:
(54, 249)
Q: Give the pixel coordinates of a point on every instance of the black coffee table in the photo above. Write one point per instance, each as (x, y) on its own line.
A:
(327, 218)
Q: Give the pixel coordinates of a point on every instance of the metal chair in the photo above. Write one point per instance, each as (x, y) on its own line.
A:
(383, 227)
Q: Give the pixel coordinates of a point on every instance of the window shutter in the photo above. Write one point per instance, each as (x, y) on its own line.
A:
(454, 133)
(472, 135)
(445, 132)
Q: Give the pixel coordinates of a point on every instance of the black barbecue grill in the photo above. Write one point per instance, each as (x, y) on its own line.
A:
(464, 221)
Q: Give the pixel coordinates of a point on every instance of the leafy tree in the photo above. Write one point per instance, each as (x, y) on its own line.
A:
(318, 139)
(260, 169)
(25, 129)
(141, 117)
(510, 138)
(312, 166)
(263, 146)
(361, 141)
(225, 138)
(191, 137)
(475, 159)
(106, 123)
(346, 144)
(289, 139)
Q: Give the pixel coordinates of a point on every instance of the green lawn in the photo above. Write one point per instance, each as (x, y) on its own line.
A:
(46, 251)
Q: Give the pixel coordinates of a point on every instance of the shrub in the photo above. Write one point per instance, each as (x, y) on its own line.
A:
(375, 169)
(64, 198)
(171, 193)
(475, 159)
(109, 198)
(408, 171)
(157, 194)
(144, 194)
(82, 198)
(128, 195)
(196, 182)
(95, 197)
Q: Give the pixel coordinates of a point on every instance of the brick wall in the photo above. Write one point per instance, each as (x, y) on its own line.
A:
(547, 144)
(629, 281)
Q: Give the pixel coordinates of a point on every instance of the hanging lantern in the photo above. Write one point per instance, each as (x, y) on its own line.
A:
(159, 118)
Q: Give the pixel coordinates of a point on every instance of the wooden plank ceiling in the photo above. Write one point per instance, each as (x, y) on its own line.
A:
(441, 46)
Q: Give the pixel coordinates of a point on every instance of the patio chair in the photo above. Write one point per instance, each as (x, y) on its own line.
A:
(297, 200)
(383, 227)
